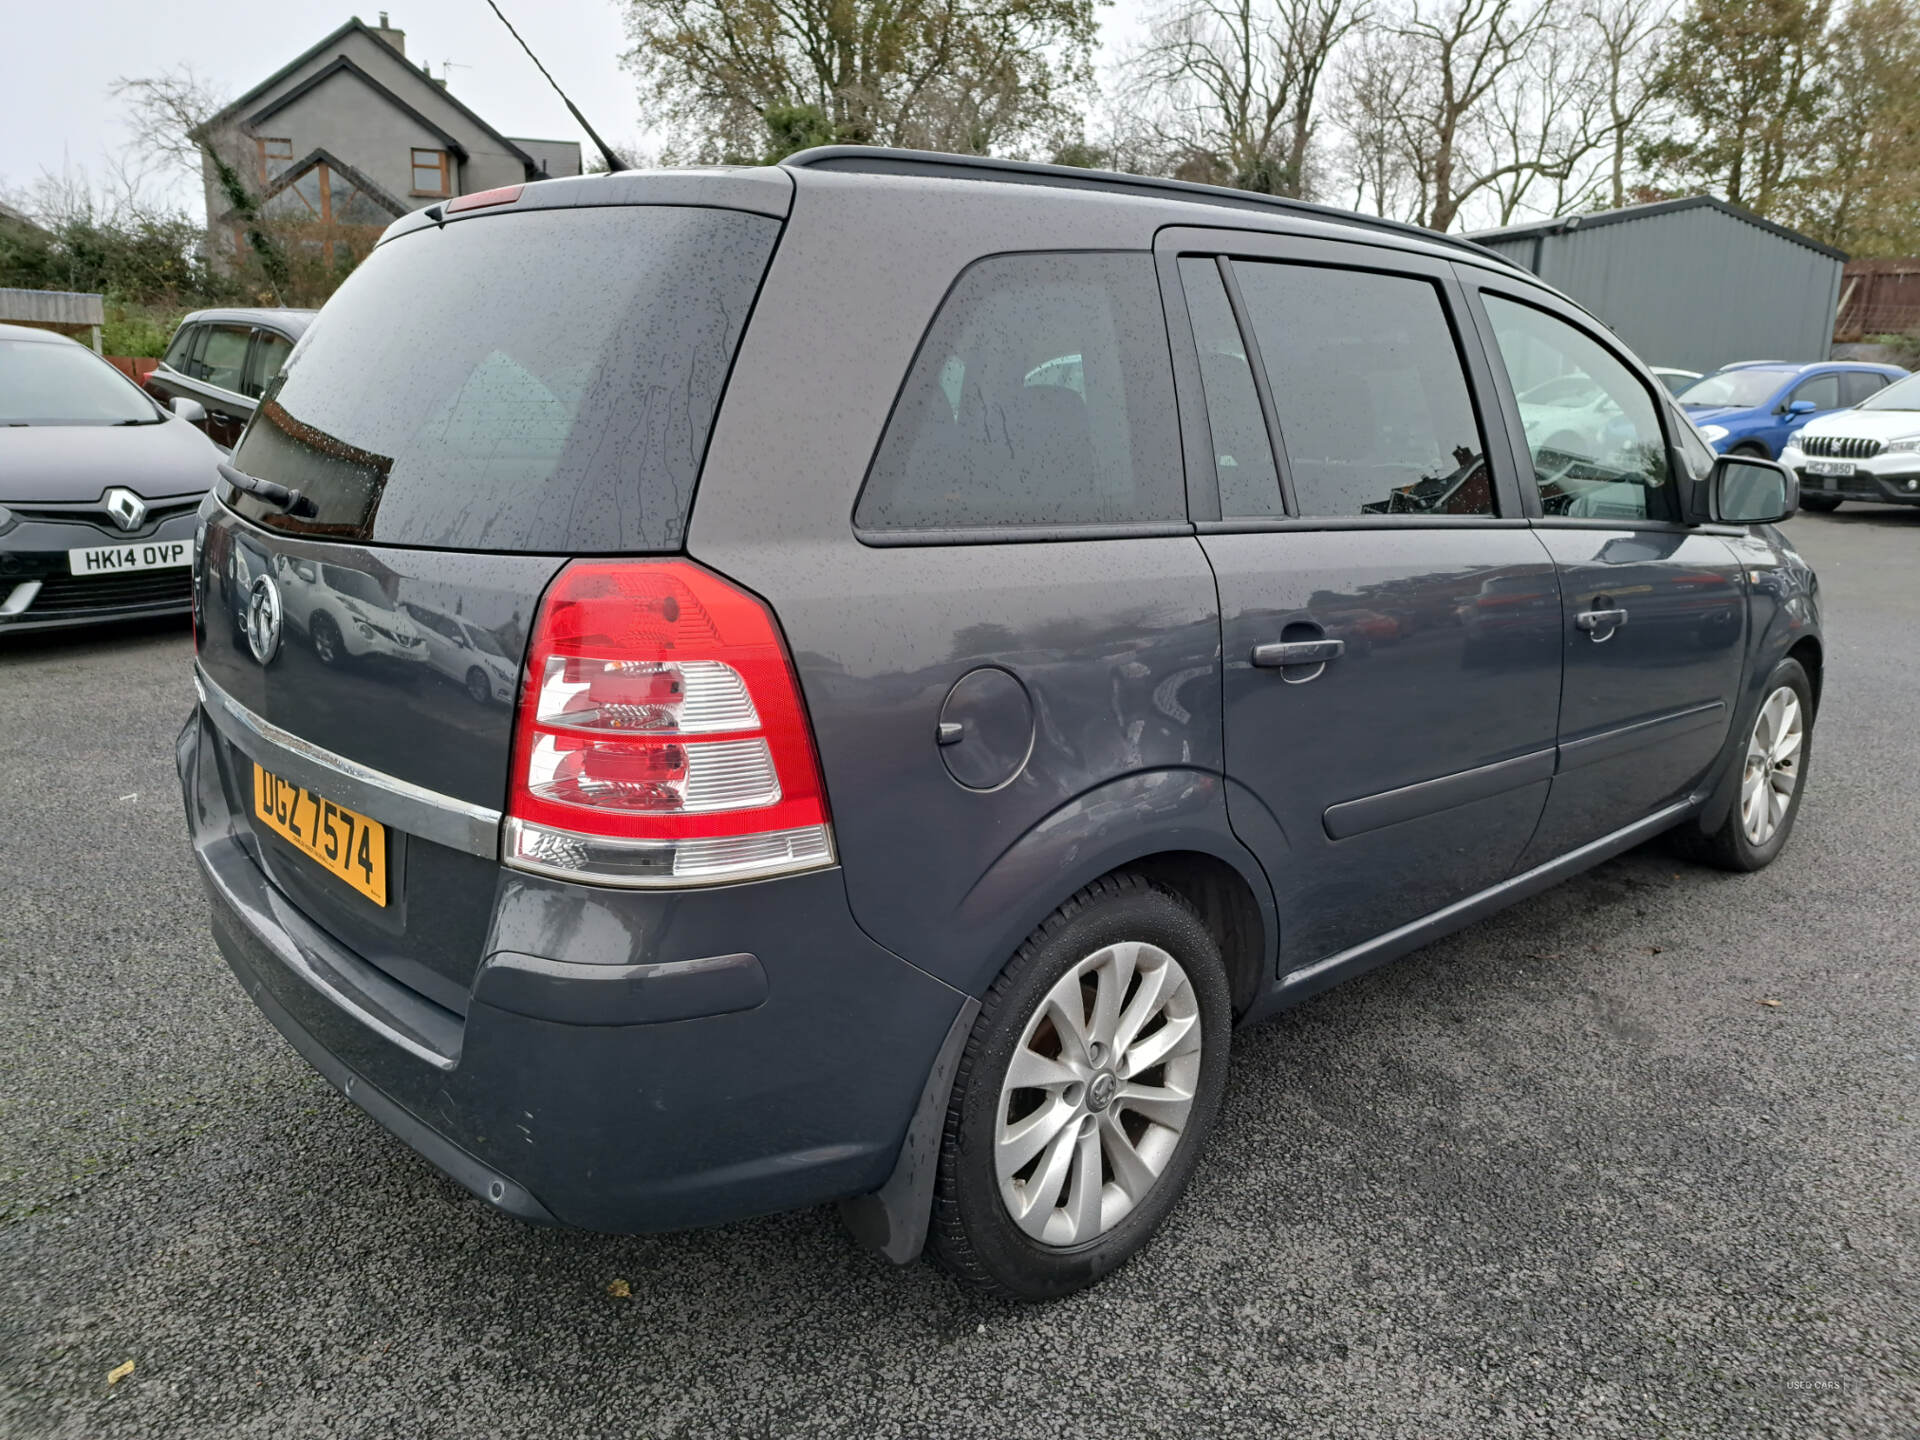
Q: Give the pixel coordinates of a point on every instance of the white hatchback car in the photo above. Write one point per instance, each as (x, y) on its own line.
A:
(1870, 453)
(345, 614)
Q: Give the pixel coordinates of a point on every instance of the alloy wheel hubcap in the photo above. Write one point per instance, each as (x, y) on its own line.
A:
(1098, 1093)
(1772, 770)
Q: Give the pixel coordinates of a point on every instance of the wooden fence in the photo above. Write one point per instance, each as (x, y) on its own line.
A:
(1878, 297)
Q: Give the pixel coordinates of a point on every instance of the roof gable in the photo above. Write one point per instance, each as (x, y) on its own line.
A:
(344, 65)
(247, 101)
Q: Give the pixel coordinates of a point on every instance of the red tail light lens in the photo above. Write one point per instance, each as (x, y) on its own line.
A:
(660, 738)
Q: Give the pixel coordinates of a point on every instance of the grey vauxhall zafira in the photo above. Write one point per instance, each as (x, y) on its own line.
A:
(724, 691)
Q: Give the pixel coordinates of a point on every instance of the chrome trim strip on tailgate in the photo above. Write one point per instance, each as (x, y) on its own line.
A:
(374, 793)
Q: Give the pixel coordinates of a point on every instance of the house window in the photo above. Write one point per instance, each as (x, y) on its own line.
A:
(324, 213)
(430, 172)
(273, 154)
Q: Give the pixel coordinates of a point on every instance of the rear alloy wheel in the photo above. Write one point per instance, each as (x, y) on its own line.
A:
(1089, 1084)
(327, 643)
(1773, 777)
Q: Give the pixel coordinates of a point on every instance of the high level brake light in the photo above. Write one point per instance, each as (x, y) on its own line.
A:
(660, 738)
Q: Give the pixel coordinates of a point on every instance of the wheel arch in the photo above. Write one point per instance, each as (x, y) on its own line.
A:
(1811, 656)
(1228, 907)
(1808, 652)
(1169, 825)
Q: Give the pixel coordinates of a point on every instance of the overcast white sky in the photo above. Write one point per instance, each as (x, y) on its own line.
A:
(59, 57)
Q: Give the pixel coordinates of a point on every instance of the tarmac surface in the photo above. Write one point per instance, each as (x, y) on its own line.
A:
(1640, 1157)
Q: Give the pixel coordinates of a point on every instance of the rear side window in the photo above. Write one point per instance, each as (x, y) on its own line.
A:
(541, 381)
(1041, 396)
(1857, 385)
(1375, 415)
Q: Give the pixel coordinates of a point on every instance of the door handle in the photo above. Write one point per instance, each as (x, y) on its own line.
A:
(1593, 621)
(1298, 652)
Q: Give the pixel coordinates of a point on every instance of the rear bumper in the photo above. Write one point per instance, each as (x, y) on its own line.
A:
(774, 1067)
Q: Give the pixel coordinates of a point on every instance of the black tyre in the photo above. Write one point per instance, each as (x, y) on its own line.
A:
(327, 644)
(1819, 504)
(1086, 1092)
(479, 688)
(1773, 777)
(1753, 448)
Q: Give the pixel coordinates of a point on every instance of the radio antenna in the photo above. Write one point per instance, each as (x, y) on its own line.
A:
(614, 162)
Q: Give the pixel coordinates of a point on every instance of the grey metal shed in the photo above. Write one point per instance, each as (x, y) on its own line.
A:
(1694, 283)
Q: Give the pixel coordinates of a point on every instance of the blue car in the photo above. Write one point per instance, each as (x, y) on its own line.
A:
(1753, 408)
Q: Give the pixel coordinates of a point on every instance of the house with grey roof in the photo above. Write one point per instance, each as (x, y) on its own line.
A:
(352, 134)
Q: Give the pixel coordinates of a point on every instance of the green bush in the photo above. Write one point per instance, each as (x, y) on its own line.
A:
(139, 331)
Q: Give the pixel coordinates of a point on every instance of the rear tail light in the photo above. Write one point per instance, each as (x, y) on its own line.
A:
(480, 199)
(660, 738)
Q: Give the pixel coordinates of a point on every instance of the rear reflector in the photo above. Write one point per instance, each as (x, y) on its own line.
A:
(479, 199)
(660, 738)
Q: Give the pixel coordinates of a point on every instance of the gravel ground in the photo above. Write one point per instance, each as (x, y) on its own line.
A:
(1567, 1173)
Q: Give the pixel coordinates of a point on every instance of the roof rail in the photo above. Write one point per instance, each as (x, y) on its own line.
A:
(879, 160)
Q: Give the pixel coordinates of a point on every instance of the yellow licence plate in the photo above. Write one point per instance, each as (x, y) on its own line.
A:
(342, 842)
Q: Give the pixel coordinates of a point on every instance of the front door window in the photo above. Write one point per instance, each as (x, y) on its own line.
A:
(1592, 428)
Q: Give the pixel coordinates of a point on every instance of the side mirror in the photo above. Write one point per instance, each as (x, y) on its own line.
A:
(1746, 490)
(1802, 407)
(191, 411)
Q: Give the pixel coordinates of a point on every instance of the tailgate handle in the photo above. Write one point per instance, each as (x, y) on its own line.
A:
(1594, 621)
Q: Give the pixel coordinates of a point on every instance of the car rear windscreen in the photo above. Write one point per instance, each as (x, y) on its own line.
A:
(535, 382)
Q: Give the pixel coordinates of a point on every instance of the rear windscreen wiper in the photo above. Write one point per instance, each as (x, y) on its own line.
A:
(268, 491)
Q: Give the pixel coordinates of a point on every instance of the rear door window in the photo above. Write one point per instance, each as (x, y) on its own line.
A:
(1242, 451)
(1375, 414)
(542, 381)
(1602, 459)
(270, 350)
(223, 359)
(1041, 396)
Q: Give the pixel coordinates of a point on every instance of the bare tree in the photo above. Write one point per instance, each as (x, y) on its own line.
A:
(1232, 85)
(1626, 38)
(1369, 100)
(1432, 73)
(1543, 125)
(176, 118)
